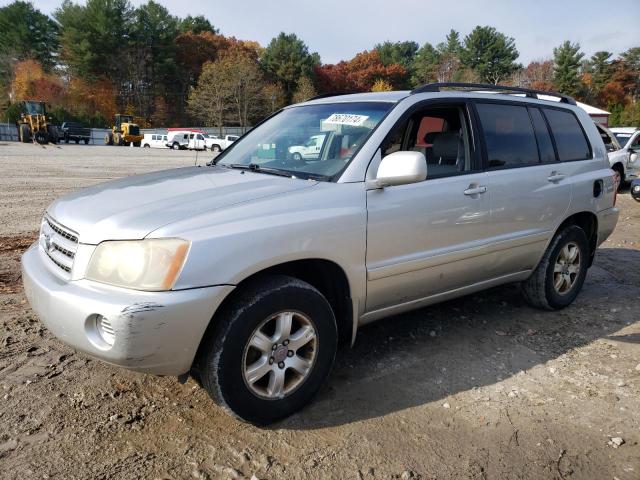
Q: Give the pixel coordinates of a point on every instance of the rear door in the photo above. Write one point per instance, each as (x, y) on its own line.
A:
(530, 189)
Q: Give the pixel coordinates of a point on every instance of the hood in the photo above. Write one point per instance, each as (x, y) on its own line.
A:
(132, 207)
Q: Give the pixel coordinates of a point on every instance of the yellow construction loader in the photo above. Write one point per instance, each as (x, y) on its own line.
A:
(124, 132)
(33, 123)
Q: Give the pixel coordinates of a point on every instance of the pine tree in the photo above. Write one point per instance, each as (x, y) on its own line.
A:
(566, 69)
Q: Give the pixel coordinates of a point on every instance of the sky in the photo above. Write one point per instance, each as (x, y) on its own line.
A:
(338, 29)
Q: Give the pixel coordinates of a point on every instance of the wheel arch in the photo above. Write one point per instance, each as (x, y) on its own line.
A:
(326, 276)
(587, 221)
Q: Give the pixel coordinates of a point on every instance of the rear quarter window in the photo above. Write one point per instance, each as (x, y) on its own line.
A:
(570, 139)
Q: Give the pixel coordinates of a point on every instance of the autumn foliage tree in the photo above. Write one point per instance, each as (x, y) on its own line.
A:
(358, 74)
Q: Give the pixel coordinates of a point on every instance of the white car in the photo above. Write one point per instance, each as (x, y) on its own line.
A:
(625, 161)
(310, 149)
(154, 140)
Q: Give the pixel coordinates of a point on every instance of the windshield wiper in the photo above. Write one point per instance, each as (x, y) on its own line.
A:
(254, 167)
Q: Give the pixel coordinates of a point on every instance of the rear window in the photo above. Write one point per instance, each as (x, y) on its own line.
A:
(570, 139)
(508, 134)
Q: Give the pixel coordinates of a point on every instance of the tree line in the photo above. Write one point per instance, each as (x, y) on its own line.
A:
(88, 61)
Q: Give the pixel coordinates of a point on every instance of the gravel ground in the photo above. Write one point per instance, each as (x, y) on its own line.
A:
(482, 387)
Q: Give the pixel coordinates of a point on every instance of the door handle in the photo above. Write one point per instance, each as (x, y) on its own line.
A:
(475, 190)
(555, 177)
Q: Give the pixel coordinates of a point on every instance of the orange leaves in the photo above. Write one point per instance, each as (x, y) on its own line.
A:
(31, 83)
(358, 74)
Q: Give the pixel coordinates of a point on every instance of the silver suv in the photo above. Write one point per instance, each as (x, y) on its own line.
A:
(249, 272)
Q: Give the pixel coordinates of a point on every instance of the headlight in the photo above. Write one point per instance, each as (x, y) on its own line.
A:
(151, 265)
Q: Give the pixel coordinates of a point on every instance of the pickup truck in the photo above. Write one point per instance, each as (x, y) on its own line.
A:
(217, 144)
(75, 131)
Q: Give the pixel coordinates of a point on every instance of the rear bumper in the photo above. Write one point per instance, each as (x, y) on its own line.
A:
(155, 332)
(607, 220)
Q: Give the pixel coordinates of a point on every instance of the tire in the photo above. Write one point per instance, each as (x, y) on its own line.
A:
(175, 146)
(41, 137)
(25, 133)
(225, 351)
(108, 139)
(296, 156)
(618, 175)
(53, 134)
(66, 139)
(216, 148)
(136, 144)
(540, 290)
(146, 145)
(86, 141)
(77, 140)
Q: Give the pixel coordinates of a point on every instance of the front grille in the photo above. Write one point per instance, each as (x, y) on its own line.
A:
(59, 244)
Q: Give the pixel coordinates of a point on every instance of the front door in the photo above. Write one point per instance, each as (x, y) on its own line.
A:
(427, 238)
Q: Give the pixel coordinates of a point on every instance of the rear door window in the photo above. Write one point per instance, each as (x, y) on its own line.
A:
(509, 137)
(571, 141)
(545, 145)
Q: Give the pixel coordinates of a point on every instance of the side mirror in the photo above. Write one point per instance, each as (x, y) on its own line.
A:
(401, 168)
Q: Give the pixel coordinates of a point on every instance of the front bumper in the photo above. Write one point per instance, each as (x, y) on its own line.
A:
(632, 171)
(607, 220)
(155, 332)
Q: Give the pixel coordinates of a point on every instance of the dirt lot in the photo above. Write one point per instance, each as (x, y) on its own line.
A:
(483, 387)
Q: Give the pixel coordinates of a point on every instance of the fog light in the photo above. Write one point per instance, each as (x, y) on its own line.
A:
(636, 189)
(105, 330)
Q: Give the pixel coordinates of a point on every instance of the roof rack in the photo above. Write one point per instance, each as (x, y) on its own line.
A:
(325, 95)
(531, 93)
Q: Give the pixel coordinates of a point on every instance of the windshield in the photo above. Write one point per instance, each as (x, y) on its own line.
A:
(311, 141)
(622, 138)
(34, 108)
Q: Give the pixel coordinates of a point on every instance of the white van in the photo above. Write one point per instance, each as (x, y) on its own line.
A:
(154, 140)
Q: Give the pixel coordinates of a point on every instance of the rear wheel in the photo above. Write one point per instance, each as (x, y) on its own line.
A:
(77, 140)
(271, 349)
(52, 130)
(86, 141)
(560, 275)
(41, 137)
(108, 139)
(175, 146)
(216, 148)
(136, 144)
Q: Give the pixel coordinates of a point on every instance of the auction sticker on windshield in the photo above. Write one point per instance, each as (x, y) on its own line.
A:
(347, 119)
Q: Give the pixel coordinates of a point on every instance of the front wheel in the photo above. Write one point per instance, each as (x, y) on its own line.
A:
(618, 176)
(270, 350)
(216, 148)
(175, 146)
(560, 274)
